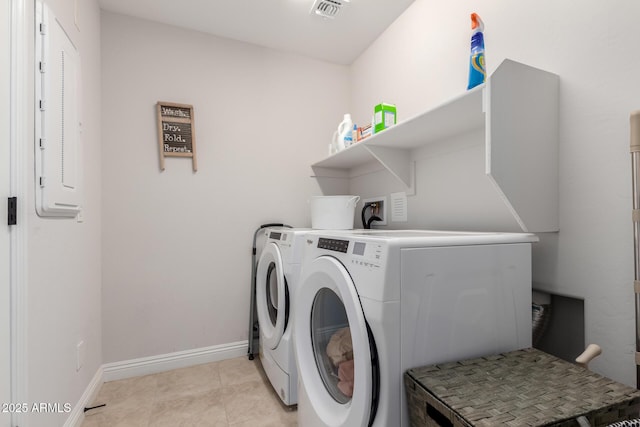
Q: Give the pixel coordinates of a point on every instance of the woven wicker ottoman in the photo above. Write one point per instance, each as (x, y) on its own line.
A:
(520, 388)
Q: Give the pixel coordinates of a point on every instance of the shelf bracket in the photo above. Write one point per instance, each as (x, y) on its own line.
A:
(395, 161)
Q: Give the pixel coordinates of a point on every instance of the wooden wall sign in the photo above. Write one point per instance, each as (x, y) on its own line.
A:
(175, 132)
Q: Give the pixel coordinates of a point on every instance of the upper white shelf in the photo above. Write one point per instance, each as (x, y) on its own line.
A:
(517, 108)
(456, 116)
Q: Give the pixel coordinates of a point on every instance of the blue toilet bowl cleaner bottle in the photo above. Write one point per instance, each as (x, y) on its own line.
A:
(477, 70)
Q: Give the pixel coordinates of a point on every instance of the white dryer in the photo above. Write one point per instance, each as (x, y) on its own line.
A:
(277, 276)
(372, 304)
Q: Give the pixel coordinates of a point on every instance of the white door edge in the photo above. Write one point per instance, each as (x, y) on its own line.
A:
(22, 17)
(270, 333)
(5, 231)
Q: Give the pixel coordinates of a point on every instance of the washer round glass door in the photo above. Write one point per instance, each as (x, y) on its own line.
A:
(271, 296)
(332, 345)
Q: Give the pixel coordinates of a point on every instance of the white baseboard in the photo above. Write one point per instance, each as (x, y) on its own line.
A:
(151, 365)
(166, 362)
(77, 414)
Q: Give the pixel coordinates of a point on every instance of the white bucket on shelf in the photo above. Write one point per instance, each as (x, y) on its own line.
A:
(333, 212)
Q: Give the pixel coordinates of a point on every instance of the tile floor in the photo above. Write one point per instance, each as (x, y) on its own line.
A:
(229, 393)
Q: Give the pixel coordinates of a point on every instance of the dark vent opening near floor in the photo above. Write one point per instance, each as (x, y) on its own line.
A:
(563, 334)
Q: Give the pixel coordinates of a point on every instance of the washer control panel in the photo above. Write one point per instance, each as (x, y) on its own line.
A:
(333, 244)
(367, 254)
(274, 235)
(282, 238)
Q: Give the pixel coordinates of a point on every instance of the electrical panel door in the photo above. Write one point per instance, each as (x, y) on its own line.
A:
(58, 129)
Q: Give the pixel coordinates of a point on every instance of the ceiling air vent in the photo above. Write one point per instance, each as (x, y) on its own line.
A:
(327, 8)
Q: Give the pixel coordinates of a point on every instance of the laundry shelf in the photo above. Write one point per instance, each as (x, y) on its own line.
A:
(456, 116)
(517, 108)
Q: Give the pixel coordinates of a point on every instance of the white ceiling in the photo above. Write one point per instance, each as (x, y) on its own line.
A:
(280, 24)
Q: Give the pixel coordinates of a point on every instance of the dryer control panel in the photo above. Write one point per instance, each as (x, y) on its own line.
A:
(337, 245)
(366, 254)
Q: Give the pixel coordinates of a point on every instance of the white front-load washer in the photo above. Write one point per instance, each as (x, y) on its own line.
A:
(277, 276)
(372, 304)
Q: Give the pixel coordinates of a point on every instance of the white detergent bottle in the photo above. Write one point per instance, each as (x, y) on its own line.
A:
(342, 138)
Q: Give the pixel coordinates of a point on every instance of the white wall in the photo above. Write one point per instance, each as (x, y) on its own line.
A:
(422, 61)
(63, 257)
(177, 244)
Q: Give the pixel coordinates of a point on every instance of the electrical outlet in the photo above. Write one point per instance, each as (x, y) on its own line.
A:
(379, 209)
